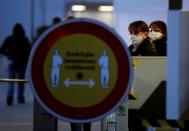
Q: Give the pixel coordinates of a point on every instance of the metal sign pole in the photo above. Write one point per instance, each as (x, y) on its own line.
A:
(42, 120)
(122, 117)
(76, 126)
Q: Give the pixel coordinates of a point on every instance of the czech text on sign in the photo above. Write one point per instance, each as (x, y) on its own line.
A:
(80, 70)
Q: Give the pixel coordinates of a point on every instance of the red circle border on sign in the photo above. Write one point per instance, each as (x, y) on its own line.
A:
(111, 101)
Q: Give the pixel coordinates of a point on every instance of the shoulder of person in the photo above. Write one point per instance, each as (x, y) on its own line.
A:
(8, 38)
(131, 47)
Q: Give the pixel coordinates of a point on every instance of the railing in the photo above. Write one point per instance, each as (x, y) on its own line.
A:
(13, 80)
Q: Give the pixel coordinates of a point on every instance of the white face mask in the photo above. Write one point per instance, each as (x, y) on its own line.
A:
(136, 40)
(155, 35)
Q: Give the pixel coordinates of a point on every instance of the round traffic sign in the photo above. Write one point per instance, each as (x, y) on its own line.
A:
(80, 70)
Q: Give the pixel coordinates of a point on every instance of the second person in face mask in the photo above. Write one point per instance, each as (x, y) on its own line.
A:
(158, 36)
(141, 45)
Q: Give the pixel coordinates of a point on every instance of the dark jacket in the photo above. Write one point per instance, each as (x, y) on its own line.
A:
(17, 49)
(161, 47)
(144, 49)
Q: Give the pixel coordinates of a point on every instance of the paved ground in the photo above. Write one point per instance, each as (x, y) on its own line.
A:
(19, 117)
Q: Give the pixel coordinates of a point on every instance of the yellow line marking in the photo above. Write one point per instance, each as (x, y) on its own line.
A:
(181, 123)
(163, 123)
(145, 123)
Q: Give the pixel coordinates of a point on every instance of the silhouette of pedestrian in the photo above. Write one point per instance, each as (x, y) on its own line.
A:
(17, 48)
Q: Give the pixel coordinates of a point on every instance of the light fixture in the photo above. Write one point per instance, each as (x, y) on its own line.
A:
(78, 7)
(105, 8)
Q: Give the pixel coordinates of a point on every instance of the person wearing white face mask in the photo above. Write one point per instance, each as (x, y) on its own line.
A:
(136, 41)
(141, 45)
(158, 36)
(154, 35)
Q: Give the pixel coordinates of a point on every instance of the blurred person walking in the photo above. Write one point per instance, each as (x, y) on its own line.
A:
(17, 48)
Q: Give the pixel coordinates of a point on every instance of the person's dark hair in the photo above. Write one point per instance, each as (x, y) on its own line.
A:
(160, 25)
(138, 26)
(18, 30)
(56, 20)
(69, 17)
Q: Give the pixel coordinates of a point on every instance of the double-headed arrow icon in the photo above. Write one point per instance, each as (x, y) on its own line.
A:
(90, 82)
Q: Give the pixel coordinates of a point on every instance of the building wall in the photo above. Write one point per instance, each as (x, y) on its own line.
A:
(125, 12)
(13, 11)
(185, 4)
(177, 89)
